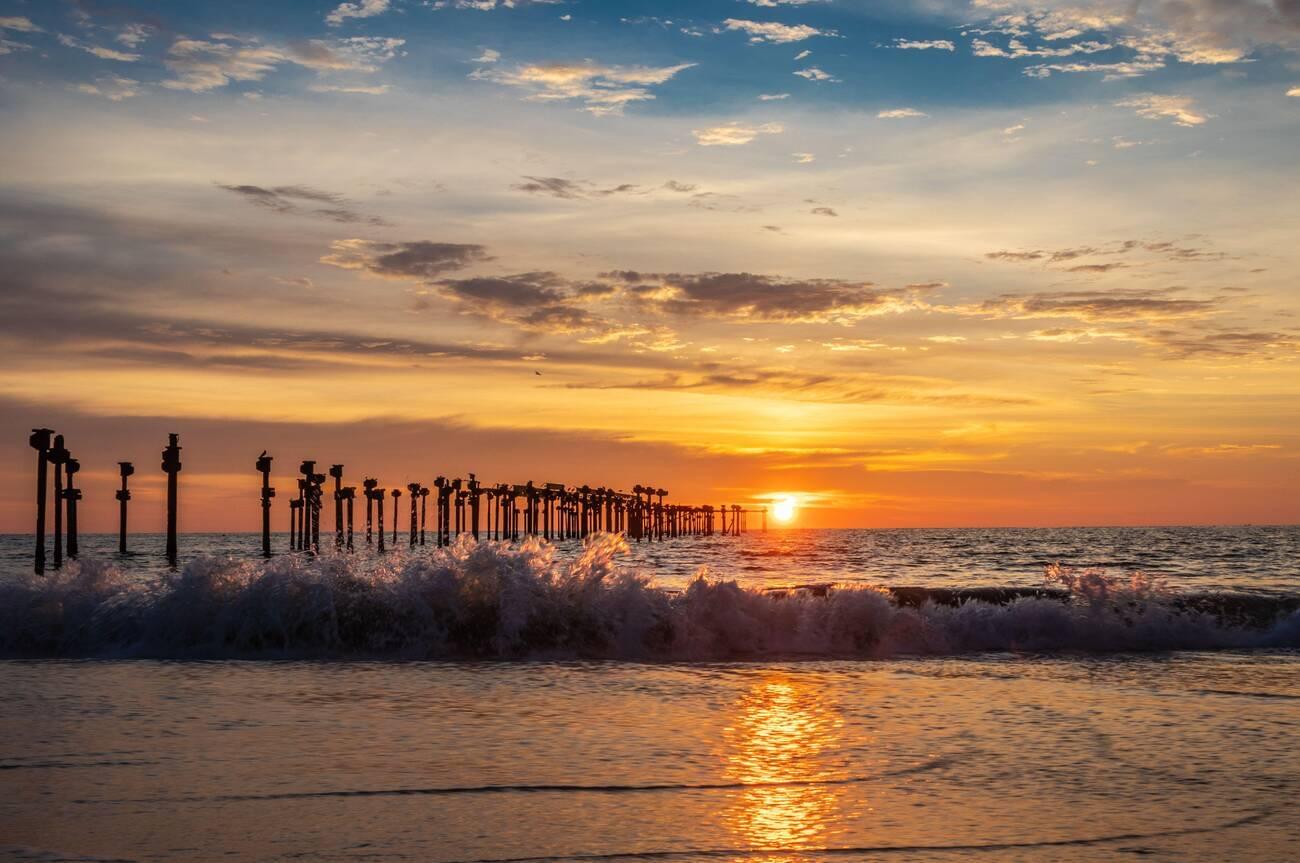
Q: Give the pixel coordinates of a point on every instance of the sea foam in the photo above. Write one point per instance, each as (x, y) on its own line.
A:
(496, 600)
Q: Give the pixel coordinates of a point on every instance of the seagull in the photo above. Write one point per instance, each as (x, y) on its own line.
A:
(539, 374)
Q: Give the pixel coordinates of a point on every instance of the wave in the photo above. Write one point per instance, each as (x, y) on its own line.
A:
(494, 600)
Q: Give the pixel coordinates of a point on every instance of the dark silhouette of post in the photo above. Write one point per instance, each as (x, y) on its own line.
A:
(171, 463)
(72, 494)
(368, 485)
(316, 491)
(349, 493)
(396, 493)
(125, 469)
(475, 489)
(264, 466)
(379, 499)
(336, 471)
(414, 489)
(58, 457)
(299, 538)
(295, 515)
(424, 498)
(307, 492)
(40, 441)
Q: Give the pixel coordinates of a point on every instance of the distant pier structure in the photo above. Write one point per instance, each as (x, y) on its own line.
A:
(554, 511)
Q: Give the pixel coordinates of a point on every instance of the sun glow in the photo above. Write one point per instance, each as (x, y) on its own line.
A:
(783, 509)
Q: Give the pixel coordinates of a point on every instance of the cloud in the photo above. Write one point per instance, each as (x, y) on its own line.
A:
(1180, 109)
(929, 45)
(287, 200)
(604, 90)
(734, 133)
(803, 158)
(1119, 304)
(201, 65)
(559, 187)
(112, 87)
(134, 35)
(1164, 249)
(900, 114)
(19, 24)
(373, 90)
(418, 259)
(803, 54)
(823, 211)
(96, 50)
(360, 9)
(488, 55)
(812, 73)
(1016, 49)
(761, 298)
(772, 97)
(1294, 92)
(771, 31)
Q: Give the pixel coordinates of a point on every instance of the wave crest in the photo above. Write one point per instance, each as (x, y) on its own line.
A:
(501, 601)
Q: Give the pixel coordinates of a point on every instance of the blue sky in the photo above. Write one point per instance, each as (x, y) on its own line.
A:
(1027, 259)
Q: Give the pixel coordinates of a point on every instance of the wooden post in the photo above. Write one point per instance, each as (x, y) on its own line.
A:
(264, 467)
(58, 457)
(72, 494)
(171, 463)
(379, 501)
(369, 486)
(336, 471)
(40, 441)
(126, 469)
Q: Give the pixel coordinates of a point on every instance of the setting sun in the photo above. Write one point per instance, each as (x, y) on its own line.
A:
(783, 510)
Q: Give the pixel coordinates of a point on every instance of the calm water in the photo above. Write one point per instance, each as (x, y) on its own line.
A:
(359, 709)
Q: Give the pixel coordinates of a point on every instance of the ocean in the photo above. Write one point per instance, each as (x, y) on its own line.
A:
(1016, 695)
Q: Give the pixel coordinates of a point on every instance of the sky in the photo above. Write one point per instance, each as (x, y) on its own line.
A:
(932, 263)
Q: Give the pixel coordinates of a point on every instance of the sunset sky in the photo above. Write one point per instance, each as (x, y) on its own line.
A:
(945, 262)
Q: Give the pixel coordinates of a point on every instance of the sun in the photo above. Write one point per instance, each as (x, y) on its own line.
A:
(783, 509)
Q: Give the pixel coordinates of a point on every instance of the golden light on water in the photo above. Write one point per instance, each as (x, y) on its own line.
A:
(775, 745)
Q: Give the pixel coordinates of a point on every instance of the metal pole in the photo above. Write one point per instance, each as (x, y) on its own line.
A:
(125, 469)
(58, 457)
(40, 441)
(172, 465)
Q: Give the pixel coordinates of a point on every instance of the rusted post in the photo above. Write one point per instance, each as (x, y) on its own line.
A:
(58, 457)
(336, 471)
(263, 467)
(40, 441)
(396, 493)
(414, 489)
(369, 486)
(171, 463)
(125, 469)
(72, 494)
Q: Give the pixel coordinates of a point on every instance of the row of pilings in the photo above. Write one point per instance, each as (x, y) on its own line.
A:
(553, 511)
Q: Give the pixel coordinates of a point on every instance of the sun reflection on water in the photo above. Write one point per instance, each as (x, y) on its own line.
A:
(780, 734)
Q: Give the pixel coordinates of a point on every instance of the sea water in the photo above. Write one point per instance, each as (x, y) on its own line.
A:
(604, 702)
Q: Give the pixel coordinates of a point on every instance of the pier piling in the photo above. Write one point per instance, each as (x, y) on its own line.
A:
(71, 494)
(125, 469)
(171, 464)
(58, 457)
(264, 467)
(336, 471)
(40, 441)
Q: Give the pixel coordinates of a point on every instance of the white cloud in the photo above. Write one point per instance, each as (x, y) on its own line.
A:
(111, 87)
(19, 24)
(802, 54)
(201, 65)
(488, 56)
(772, 97)
(376, 90)
(604, 90)
(771, 31)
(1180, 109)
(1110, 71)
(1016, 49)
(360, 9)
(772, 4)
(1294, 92)
(733, 134)
(134, 35)
(928, 45)
(901, 114)
(96, 50)
(803, 158)
(812, 73)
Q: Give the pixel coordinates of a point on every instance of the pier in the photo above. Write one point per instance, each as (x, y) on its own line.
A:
(554, 511)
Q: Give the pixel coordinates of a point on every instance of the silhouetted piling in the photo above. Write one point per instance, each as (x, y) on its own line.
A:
(124, 469)
(368, 485)
(171, 463)
(264, 467)
(336, 471)
(379, 501)
(349, 493)
(58, 457)
(424, 498)
(414, 489)
(306, 491)
(396, 493)
(40, 441)
(72, 495)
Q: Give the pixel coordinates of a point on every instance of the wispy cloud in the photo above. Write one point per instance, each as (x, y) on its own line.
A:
(603, 90)
(359, 9)
(812, 73)
(112, 87)
(1181, 110)
(771, 31)
(925, 45)
(734, 133)
(200, 65)
(900, 114)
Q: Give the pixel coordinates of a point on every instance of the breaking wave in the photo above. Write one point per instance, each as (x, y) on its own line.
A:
(493, 600)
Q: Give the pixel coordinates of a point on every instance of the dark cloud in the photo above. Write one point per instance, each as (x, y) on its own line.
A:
(417, 259)
(1120, 304)
(559, 187)
(759, 297)
(288, 201)
(823, 211)
(674, 186)
(1096, 268)
(1164, 249)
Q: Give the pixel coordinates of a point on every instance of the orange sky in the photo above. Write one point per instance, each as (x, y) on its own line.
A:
(903, 297)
